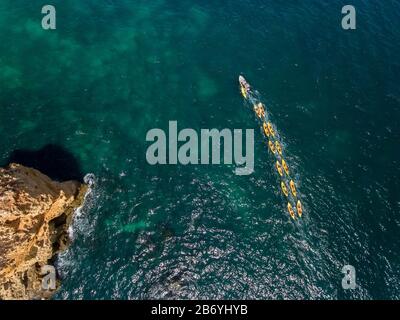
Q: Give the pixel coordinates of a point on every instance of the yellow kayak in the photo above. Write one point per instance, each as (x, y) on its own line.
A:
(293, 188)
(285, 167)
(266, 131)
(271, 146)
(259, 112)
(279, 168)
(244, 93)
(299, 208)
(284, 189)
(271, 129)
(262, 109)
(291, 212)
(278, 147)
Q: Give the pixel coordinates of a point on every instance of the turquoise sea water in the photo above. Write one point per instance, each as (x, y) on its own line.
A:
(112, 70)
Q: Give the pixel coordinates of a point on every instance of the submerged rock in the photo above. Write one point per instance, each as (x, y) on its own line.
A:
(35, 213)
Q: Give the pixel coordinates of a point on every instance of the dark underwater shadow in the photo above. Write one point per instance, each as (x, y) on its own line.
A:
(52, 160)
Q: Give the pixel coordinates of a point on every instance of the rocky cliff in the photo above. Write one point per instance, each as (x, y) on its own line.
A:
(35, 213)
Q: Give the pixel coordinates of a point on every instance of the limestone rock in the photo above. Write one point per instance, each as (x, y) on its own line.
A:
(35, 213)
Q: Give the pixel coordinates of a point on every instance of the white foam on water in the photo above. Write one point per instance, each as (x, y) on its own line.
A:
(81, 225)
(89, 180)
